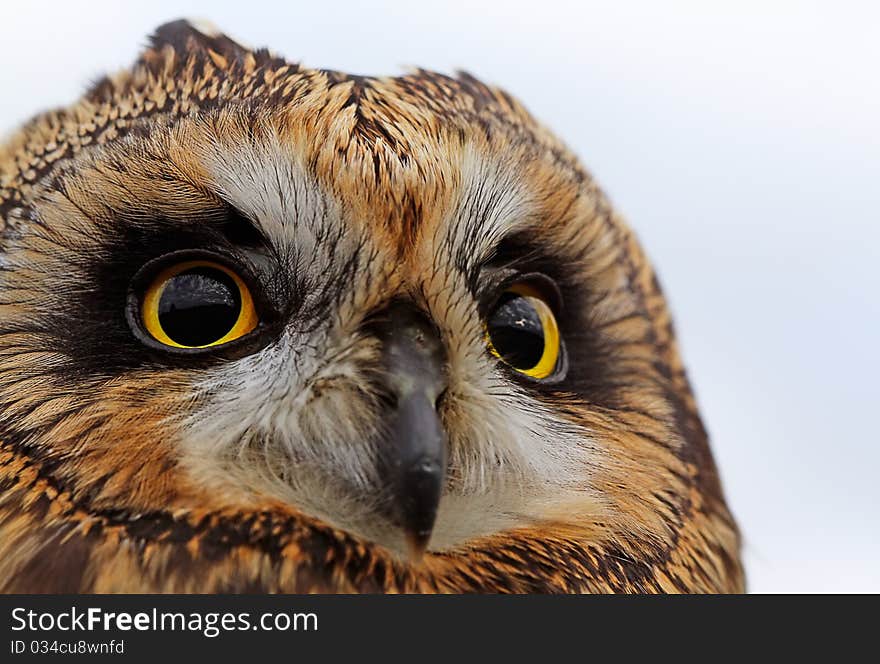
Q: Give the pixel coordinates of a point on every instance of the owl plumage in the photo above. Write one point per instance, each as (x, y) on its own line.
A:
(359, 211)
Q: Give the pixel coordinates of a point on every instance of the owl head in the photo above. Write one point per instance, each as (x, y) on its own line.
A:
(247, 306)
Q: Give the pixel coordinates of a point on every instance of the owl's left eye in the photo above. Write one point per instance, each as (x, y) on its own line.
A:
(197, 304)
(522, 331)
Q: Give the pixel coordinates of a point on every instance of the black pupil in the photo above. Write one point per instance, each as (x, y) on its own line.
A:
(199, 306)
(516, 331)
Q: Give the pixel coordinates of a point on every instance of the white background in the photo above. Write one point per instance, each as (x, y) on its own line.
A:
(740, 139)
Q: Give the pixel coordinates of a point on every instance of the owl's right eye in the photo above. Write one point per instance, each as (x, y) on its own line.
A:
(197, 304)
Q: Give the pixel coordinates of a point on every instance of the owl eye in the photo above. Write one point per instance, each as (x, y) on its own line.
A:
(523, 333)
(197, 304)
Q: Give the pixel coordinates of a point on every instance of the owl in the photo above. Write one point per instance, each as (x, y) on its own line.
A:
(266, 328)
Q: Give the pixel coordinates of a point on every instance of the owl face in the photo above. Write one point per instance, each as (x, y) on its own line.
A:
(398, 307)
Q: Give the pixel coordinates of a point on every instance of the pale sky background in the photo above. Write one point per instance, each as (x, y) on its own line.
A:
(741, 141)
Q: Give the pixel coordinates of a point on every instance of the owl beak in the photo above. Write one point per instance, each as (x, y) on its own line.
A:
(414, 449)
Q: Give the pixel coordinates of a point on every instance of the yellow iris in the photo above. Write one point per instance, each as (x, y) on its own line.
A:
(539, 366)
(245, 321)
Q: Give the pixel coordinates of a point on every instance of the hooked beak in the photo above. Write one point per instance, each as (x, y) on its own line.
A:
(414, 449)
